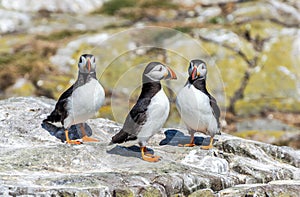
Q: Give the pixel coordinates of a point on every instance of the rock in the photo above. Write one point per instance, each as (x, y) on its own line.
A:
(33, 162)
(287, 9)
(22, 87)
(204, 14)
(203, 193)
(202, 2)
(11, 21)
(273, 188)
(63, 57)
(79, 6)
(263, 124)
(269, 130)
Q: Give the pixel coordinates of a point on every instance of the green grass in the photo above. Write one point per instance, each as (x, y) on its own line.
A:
(157, 4)
(111, 7)
(217, 20)
(249, 134)
(184, 29)
(114, 6)
(60, 35)
(6, 58)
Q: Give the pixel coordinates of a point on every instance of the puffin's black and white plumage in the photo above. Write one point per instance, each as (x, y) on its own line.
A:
(81, 101)
(198, 109)
(151, 110)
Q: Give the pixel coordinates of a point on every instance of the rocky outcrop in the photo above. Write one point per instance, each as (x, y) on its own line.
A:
(33, 162)
(79, 6)
(63, 57)
(32, 17)
(12, 21)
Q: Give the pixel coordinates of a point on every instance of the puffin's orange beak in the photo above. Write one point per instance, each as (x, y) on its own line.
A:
(171, 74)
(88, 65)
(194, 73)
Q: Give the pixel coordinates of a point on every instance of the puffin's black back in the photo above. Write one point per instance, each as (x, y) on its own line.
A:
(134, 121)
(137, 115)
(60, 113)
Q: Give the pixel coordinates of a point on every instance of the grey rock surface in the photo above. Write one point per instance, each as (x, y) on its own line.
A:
(44, 17)
(11, 21)
(63, 57)
(78, 6)
(32, 162)
(264, 124)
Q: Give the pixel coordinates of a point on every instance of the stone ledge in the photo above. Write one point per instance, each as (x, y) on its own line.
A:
(34, 162)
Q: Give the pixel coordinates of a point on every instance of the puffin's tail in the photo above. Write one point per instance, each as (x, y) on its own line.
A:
(121, 137)
(53, 117)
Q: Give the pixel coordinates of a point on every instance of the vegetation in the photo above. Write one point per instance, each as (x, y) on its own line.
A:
(184, 29)
(59, 35)
(135, 9)
(157, 4)
(113, 6)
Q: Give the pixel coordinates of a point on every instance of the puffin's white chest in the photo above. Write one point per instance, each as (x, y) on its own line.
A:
(195, 110)
(84, 102)
(157, 114)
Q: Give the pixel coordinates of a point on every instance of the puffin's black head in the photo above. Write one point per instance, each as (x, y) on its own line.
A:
(197, 69)
(156, 71)
(87, 63)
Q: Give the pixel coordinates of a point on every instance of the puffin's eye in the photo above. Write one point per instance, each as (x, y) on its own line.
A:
(160, 69)
(203, 66)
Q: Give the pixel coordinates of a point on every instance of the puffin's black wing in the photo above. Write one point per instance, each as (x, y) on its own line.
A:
(215, 108)
(201, 85)
(133, 123)
(60, 112)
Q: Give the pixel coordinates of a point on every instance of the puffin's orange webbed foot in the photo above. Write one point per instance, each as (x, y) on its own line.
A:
(210, 146)
(149, 157)
(85, 138)
(186, 145)
(191, 144)
(89, 139)
(76, 142)
(206, 147)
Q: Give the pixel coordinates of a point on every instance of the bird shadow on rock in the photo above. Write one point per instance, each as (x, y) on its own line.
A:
(59, 132)
(130, 151)
(175, 137)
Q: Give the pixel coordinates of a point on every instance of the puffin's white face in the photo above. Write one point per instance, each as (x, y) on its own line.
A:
(156, 71)
(87, 63)
(197, 69)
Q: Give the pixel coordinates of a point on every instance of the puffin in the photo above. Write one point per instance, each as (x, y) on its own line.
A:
(150, 112)
(197, 107)
(81, 101)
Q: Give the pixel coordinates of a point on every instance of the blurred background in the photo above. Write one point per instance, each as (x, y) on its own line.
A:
(252, 49)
